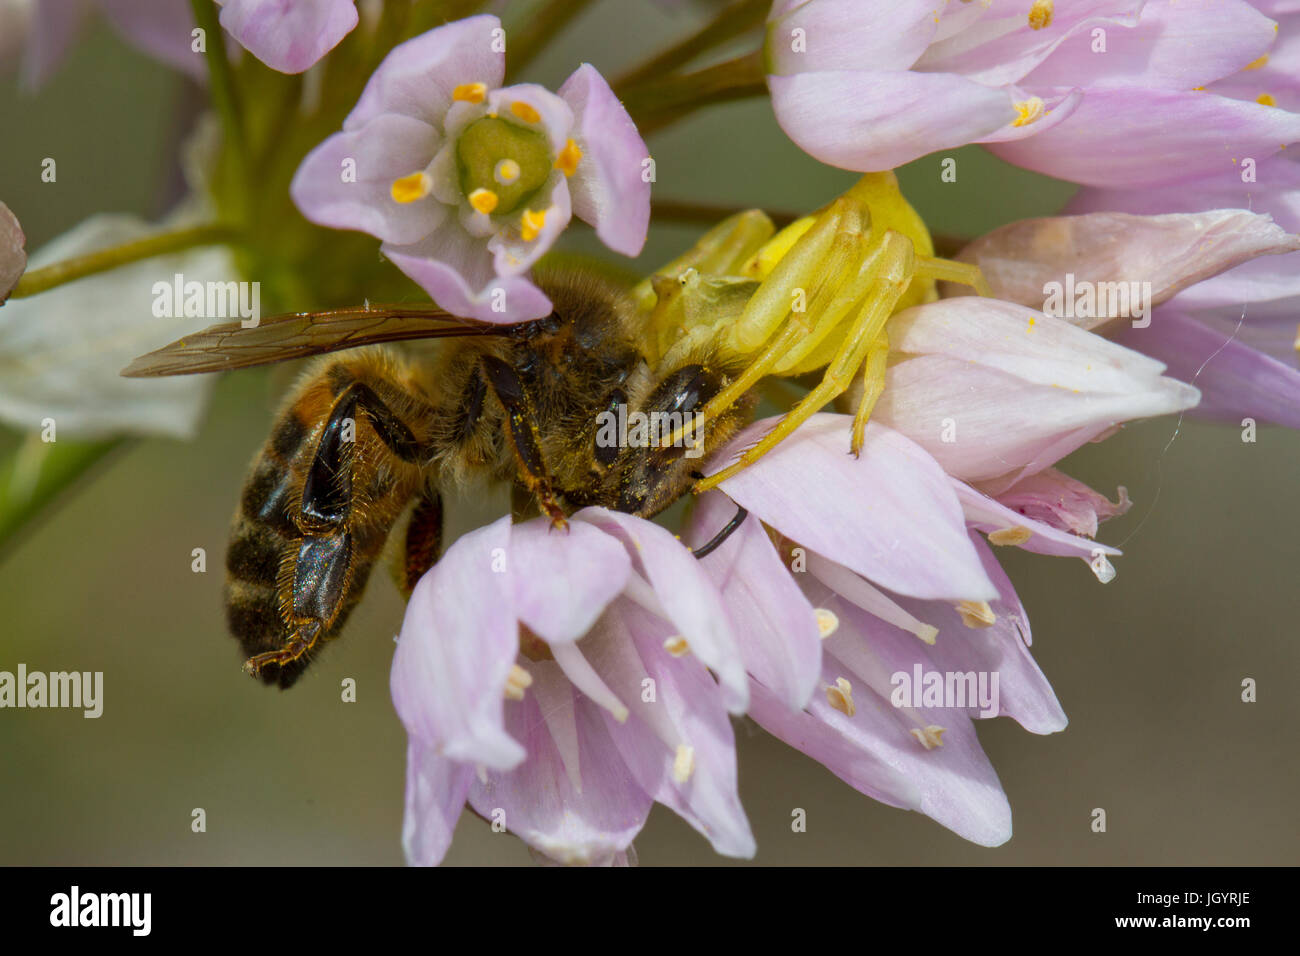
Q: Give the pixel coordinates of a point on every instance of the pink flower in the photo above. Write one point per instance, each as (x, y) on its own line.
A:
(288, 35)
(469, 183)
(1099, 92)
(559, 682)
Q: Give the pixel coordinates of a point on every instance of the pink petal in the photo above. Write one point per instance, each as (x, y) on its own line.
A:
(390, 147)
(454, 655)
(1065, 503)
(1177, 46)
(608, 188)
(13, 256)
(288, 35)
(1171, 252)
(868, 120)
(989, 515)
(417, 77)
(511, 254)
(563, 579)
(890, 515)
(571, 824)
(849, 35)
(1139, 137)
(686, 595)
(774, 623)
(456, 270)
(436, 789)
(161, 30)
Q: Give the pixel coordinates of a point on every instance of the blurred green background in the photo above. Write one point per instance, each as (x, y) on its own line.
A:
(1148, 667)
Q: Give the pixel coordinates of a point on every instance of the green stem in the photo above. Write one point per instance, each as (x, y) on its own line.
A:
(736, 19)
(39, 472)
(225, 95)
(525, 42)
(69, 270)
(656, 105)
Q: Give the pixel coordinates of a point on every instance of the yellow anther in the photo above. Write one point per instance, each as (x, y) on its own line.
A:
(841, 697)
(483, 200)
(517, 682)
(1017, 534)
(470, 93)
(1257, 64)
(412, 187)
(677, 646)
(929, 737)
(531, 223)
(1029, 110)
(567, 161)
(683, 763)
(506, 172)
(1264, 99)
(827, 622)
(1040, 14)
(525, 112)
(976, 614)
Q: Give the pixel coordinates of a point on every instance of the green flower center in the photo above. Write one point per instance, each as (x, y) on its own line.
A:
(503, 159)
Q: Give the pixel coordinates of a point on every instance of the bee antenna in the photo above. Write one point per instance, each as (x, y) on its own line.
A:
(727, 530)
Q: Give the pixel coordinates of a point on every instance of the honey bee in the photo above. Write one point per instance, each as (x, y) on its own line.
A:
(366, 435)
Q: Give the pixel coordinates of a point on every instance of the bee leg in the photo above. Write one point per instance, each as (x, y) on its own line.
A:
(423, 540)
(728, 529)
(523, 437)
(323, 567)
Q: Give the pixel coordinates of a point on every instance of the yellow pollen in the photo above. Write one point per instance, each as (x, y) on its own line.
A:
(470, 93)
(567, 161)
(1030, 110)
(525, 112)
(1010, 536)
(531, 223)
(683, 763)
(1265, 99)
(976, 614)
(483, 200)
(506, 172)
(1040, 14)
(1257, 64)
(517, 682)
(827, 622)
(841, 697)
(929, 737)
(412, 187)
(677, 646)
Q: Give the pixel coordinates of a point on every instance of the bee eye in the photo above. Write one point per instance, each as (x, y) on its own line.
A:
(607, 449)
(689, 385)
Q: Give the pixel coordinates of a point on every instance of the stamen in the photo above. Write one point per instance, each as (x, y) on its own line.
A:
(470, 93)
(975, 614)
(1018, 534)
(683, 763)
(1040, 14)
(525, 112)
(483, 200)
(677, 646)
(1265, 99)
(1257, 64)
(506, 172)
(412, 187)
(929, 737)
(849, 585)
(517, 682)
(827, 622)
(1030, 110)
(567, 161)
(531, 223)
(841, 697)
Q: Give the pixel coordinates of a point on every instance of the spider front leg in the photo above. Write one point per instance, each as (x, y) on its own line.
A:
(873, 384)
(895, 270)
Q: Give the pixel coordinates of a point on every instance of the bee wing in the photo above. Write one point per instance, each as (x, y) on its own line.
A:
(219, 348)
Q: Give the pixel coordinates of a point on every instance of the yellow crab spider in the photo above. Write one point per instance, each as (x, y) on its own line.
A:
(817, 294)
